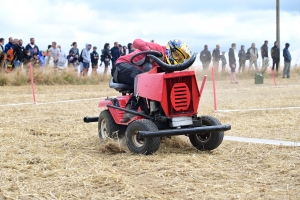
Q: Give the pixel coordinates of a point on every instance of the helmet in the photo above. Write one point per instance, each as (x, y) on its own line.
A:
(176, 52)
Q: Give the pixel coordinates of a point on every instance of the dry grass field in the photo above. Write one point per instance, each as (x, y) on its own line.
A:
(47, 152)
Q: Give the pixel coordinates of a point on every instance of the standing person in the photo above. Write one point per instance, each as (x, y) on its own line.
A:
(125, 50)
(253, 56)
(216, 57)
(75, 49)
(94, 59)
(115, 53)
(130, 48)
(48, 54)
(2, 54)
(275, 53)
(242, 59)
(287, 61)
(9, 45)
(86, 58)
(224, 61)
(121, 50)
(205, 57)
(264, 56)
(9, 51)
(32, 47)
(106, 57)
(62, 58)
(19, 52)
(232, 63)
(1, 45)
(54, 53)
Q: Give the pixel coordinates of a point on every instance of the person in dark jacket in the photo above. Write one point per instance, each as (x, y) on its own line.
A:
(232, 63)
(275, 53)
(264, 56)
(115, 53)
(287, 61)
(216, 57)
(205, 57)
(125, 50)
(130, 48)
(242, 59)
(106, 57)
(94, 59)
(26, 58)
(264, 50)
(19, 52)
(9, 45)
(32, 47)
(72, 59)
(224, 61)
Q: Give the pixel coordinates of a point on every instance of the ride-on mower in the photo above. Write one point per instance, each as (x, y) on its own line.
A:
(169, 99)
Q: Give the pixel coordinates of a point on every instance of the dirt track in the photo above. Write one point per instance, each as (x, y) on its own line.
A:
(47, 152)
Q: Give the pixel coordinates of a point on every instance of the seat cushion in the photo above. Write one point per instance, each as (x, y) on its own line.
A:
(120, 86)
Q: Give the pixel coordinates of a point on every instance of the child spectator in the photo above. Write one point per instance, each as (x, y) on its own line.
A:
(94, 59)
(224, 61)
(72, 59)
(35, 60)
(27, 57)
(47, 54)
(62, 58)
(41, 58)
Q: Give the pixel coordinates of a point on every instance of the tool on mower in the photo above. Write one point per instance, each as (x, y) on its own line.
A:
(170, 99)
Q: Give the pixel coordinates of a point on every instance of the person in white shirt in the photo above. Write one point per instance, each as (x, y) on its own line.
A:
(62, 58)
(54, 53)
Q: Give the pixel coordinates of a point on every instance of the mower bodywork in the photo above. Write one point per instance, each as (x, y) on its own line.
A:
(171, 100)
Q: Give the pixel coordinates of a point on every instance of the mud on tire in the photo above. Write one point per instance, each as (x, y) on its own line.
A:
(207, 141)
(141, 146)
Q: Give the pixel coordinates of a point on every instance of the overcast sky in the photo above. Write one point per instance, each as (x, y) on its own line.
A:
(195, 22)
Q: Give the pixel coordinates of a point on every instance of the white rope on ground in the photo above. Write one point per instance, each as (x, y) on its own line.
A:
(258, 109)
(261, 141)
(53, 102)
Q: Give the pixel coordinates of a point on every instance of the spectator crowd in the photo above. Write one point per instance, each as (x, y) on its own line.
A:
(252, 55)
(14, 54)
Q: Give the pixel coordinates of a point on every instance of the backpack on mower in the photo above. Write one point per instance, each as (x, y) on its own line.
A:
(169, 98)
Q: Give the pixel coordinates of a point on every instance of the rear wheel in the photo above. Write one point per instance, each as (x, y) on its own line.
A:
(207, 141)
(107, 127)
(145, 145)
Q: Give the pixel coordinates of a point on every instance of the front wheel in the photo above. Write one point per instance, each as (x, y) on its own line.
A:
(145, 145)
(107, 127)
(207, 141)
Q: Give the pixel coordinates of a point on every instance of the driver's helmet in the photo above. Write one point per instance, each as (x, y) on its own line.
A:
(176, 52)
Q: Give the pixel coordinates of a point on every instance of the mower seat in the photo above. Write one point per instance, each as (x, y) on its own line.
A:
(121, 87)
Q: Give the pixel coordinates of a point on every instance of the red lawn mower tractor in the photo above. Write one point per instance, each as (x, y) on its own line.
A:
(169, 98)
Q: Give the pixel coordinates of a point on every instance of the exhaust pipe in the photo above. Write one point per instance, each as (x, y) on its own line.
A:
(90, 119)
(184, 131)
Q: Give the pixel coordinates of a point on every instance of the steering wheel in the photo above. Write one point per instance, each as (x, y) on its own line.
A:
(146, 53)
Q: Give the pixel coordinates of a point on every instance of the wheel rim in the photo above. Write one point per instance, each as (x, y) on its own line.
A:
(136, 141)
(203, 137)
(103, 129)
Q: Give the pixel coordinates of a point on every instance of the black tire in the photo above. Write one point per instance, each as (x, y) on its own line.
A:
(207, 141)
(141, 146)
(107, 127)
